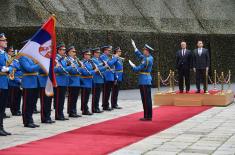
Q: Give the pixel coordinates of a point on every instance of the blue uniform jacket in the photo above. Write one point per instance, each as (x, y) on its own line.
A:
(86, 77)
(97, 77)
(144, 69)
(119, 69)
(74, 74)
(30, 72)
(18, 74)
(62, 71)
(42, 78)
(3, 76)
(109, 75)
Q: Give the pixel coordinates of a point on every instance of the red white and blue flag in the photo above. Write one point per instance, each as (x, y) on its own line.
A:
(42, 48)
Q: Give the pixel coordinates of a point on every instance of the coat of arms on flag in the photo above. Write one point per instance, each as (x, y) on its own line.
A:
(42, 48)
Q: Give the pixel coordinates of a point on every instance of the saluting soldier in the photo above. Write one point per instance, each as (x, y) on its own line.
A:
(98, 80)
(62, 70)
(45, 100)
(145, 79)
(109, 76)
(86, 81)
(4, 70)
(15, 92)
(30, 87)
(74, 82)
(118, 66)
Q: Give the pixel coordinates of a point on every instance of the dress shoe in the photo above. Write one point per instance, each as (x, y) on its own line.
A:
(36, 125)
(98, 111)
(30, 125)
(198, 91)
(145, 119)
(107, 109)
(2, 133)
(7, 133)
(62, 119)
(18, 113)
(87, 113)
(5, 116)
(74, 115)
(48, 121)
(117, 107)
(181, 91)
(187, 91)
(36, 111)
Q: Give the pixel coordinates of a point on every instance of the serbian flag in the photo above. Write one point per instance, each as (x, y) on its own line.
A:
(42, 48)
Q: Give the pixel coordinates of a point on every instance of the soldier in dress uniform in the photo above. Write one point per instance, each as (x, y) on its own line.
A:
(145, 79)
(87, 73)
(74, 82)
(15, 92)
(98, 80)
(118, 66)
(109, 76)
(4, 70)
(45, 100)
(62, 70)
(30, 87)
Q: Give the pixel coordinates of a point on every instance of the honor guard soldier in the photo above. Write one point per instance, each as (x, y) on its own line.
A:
(74, 82)
(30, 87)
(118, 66)
(98, 80)
(62, 70)
(145, 79)
(109, 75)
(14, 92)
(86, 81)
(45, 100)
(4, 70)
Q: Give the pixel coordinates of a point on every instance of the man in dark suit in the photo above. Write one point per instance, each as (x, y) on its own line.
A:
(183, 62)
(201, 62)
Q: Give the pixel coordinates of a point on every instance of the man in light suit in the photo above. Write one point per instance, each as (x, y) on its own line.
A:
(201, 62)
(183, 62)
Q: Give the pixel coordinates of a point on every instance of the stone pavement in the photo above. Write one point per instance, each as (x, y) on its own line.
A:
(211, 132)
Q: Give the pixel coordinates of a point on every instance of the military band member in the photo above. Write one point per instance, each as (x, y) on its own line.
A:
(86, 81)
(201, 63)
(4, 70)
(183, 64)
(74, 82)
(145, 79)
(61, 69)
(98, 80)
(15, 92)
(30, 89)
(118, 66)
(109, 75)
(45, 100)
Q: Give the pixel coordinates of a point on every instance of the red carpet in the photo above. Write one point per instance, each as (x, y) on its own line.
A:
(108, 136)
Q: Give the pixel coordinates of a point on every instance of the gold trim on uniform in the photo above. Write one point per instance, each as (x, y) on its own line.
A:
(120, 71)
(28, 74)
(86, 77)
(74, 74)
(2, 73)
(146, 73)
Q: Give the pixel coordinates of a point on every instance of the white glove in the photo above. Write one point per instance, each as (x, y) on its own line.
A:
(132, 64)
(194, 69)
(5, 69)
(133, 44)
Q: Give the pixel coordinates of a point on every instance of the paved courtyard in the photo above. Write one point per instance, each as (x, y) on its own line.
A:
(211, 132)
